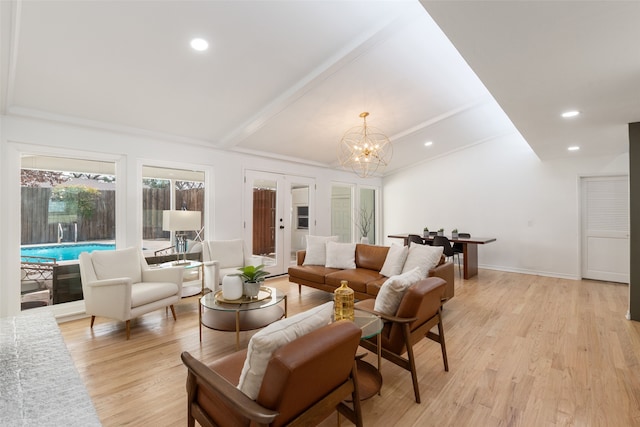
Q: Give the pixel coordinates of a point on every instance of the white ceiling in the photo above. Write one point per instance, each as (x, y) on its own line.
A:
(540, 58)
(287, 78)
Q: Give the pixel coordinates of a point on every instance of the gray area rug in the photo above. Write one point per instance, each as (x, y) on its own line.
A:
(39, 384)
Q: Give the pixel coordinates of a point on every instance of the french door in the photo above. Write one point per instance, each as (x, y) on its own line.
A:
(279, 213)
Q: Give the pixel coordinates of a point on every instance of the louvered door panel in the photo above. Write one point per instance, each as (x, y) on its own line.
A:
(605, 228)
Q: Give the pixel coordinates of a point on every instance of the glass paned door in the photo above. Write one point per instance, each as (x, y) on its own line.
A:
(264, 194)
(278, 214)
(300, 217)
(366, 218)
(341, 212)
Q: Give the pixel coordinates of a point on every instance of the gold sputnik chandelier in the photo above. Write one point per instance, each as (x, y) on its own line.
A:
(364, 149)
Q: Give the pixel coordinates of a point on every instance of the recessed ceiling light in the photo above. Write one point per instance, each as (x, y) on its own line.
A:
(199, 44)
(428, 143)
(568, 114)
(573, 148)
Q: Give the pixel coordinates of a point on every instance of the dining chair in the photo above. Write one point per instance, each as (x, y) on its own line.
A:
(458, 248)
(414, 238)
(445, 243)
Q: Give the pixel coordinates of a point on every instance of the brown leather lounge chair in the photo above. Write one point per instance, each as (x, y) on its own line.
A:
(418, 312)
(306, 380)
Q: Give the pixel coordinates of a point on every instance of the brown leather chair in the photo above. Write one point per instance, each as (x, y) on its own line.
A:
(306, 380)
(419, 311)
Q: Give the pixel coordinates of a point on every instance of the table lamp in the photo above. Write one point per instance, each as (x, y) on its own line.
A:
(179, 222)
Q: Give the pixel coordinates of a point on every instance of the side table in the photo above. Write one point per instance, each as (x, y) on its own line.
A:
(369, 377)
(190, 286)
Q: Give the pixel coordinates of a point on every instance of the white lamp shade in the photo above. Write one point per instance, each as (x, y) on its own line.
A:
(181, 220)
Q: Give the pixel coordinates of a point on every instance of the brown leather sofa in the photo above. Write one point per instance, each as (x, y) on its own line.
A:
(365, 279)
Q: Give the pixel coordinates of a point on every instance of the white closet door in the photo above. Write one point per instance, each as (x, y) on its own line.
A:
(605, 228)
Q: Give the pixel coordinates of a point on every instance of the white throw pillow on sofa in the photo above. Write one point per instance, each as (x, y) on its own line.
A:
(317, 249)
(394, 261)
(423, 256)
(341, 255)
(266, 341)
(393, 289)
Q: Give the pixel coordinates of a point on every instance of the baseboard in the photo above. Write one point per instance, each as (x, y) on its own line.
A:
(531, 272)
(68, 311)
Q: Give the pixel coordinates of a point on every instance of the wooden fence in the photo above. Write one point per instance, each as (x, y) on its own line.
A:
(264, 221)
(38, 227)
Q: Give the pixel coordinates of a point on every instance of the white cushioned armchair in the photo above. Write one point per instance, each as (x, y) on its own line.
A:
(120, 285)
(222, 257)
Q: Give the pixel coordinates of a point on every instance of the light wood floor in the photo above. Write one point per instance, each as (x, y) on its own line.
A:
(523, 351)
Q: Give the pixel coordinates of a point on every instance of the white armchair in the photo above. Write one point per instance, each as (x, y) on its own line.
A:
(120, 285)
(222, 257)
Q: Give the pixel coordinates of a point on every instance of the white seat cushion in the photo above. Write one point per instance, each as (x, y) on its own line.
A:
(265, 342)
(148, 292)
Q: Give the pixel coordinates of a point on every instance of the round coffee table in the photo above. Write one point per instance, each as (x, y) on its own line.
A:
(241, 315)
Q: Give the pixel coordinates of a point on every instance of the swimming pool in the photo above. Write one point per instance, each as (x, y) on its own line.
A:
(65, 252)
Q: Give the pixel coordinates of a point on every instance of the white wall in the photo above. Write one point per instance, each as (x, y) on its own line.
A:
(224, 216)
(499, 189)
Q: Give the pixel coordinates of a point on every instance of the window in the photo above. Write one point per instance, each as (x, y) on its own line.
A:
(302, 217)
(366, 215)
(169, 189)
(68, 206)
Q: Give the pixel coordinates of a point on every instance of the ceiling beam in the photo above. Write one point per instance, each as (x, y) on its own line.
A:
(440, 117)
(324, 71)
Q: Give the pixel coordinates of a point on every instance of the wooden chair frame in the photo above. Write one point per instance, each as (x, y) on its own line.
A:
(411, 338)
(252, 410)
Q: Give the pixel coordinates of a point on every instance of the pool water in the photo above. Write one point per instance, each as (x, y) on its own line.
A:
(65, 252)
